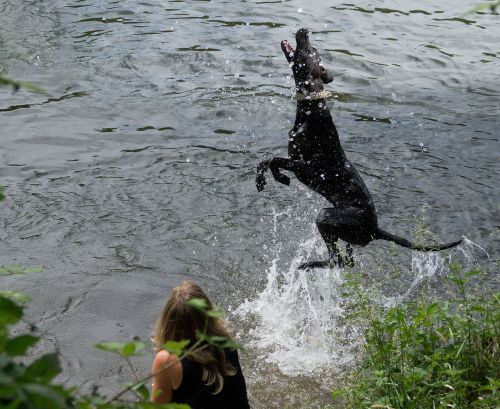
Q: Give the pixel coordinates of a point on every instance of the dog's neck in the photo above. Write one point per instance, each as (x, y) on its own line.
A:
(310, 108)
(299, 96)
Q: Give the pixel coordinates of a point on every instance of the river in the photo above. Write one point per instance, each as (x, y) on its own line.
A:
(137, 170)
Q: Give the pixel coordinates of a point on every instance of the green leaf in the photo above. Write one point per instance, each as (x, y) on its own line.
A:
(45, 396)
(115, 347)
(10, 312)
(18, 269)
(432, 308)
(231, 344)
(176, 347)
(216, 339)
(338, 393)
(20, 84)
(20, 298)
(2, 193)
(142, 390)
(19, 345)
(44, 369)
(124, 349)
(132, 348)
(198, 303)
(200, 335)
(214, 313)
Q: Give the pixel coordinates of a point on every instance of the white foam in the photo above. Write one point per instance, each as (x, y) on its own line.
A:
(297, 314)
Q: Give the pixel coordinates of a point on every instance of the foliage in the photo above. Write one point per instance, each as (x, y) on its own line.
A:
(421, 354)
(30, 385)
(25, 385)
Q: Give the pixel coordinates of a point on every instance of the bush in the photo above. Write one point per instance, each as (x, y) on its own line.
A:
(442, 354)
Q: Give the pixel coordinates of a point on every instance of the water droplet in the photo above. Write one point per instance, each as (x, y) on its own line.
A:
(300, 10)
(188, 160)
(308, 112)
(421, 144)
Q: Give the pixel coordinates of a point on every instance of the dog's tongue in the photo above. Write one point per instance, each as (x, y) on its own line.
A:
(287, 49)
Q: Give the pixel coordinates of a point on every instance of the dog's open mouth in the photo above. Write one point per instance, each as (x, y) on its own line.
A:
(288, 50)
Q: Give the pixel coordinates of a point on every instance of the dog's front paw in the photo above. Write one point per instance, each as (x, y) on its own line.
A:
(260, 182)
(283, 179)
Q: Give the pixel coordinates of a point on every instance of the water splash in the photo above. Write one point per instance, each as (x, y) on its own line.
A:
(298, 321)
(297, 316)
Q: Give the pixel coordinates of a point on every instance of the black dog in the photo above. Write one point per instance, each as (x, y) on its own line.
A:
(317, 160)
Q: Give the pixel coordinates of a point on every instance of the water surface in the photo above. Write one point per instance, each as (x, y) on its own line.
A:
(137, 171)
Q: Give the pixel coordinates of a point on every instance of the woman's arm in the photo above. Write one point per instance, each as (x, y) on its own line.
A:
(167, 376)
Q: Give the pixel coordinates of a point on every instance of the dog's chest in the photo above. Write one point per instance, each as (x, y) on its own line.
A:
(308, 144)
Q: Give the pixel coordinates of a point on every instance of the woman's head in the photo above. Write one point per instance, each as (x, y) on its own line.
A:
(181, 321)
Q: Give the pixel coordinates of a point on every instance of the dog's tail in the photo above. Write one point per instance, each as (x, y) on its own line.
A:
(381, 234)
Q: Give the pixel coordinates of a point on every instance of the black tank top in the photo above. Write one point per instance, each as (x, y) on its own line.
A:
(196, 394)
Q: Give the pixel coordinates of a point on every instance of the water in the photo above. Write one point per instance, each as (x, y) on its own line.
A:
(137, 171)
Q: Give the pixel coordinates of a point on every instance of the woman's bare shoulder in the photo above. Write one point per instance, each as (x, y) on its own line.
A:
(164, 358)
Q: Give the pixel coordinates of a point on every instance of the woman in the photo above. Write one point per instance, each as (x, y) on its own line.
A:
(210, 378)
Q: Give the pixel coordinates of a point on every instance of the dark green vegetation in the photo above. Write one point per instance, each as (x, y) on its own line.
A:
(428, 353)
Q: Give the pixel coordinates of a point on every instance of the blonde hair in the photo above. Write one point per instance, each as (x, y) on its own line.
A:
(179, 321)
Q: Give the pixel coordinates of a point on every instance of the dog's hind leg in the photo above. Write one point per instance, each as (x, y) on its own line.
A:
(349, 223)
(334, 258)
(328, 232)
